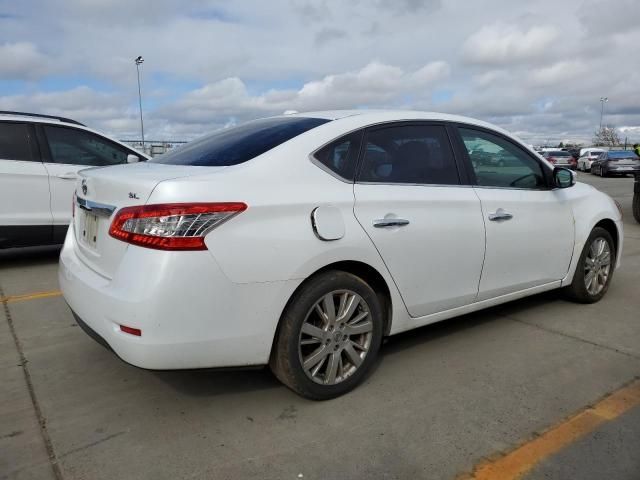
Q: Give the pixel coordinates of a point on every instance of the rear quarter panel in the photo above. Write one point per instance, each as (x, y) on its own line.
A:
(273, 240)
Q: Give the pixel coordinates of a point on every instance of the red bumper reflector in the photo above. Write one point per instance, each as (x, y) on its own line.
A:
(131, 331)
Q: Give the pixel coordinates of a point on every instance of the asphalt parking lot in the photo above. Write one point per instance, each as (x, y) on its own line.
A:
(452, 400)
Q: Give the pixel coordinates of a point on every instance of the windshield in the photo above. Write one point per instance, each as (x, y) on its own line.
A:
(235, 145)
(558, 153)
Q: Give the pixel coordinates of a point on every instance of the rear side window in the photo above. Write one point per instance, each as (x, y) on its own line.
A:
(419, 154)
(14, 142)
(235, 145)
(341, 155)
(78, 147)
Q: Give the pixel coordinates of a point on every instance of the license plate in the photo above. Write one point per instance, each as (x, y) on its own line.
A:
(90, 230)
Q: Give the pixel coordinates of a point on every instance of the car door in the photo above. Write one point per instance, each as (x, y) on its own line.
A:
(68, 150)
(529, 226)
(425, 224)
(25, 216)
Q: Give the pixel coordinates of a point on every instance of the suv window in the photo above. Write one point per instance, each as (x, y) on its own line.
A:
(499, 163)
(78, 147)
(409, 154)
(341, 155)
(235, 145)
(15, 141)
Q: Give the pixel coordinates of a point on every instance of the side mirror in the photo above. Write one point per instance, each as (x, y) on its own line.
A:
(563, 177)
(131, 158)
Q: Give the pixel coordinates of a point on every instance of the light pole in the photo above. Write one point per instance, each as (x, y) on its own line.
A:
(603, 100)
(138, 62)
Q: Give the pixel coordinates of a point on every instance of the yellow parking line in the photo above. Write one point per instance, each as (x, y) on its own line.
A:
(518, 462)
(30, 296)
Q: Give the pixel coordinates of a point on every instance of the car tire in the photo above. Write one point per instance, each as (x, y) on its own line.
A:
(307, 333)
(582, 288)
(636, 206)
(602, 174)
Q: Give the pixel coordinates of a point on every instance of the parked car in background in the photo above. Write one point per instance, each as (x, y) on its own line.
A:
(300, 241)
(560, 158)
(636, 197)
(587, 157)
(616, 162)
(575, 152)
(40, 156)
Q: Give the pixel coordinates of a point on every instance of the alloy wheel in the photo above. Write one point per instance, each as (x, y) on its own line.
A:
(597, 266)
(335, 337)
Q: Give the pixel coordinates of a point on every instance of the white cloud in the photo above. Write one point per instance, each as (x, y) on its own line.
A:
(559, 72)
(22, 60)
(373, 85)
(501, 44)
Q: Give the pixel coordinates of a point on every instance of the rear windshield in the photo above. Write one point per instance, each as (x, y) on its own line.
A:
(558, 153)
(622, 154)
(235, 145)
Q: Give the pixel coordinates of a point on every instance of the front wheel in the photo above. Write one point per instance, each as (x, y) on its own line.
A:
(636, 206)
(329, 336)
(595, 268)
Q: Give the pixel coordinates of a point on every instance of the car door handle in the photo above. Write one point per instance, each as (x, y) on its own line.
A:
(500, 214)
(390, 222)
(68, 176)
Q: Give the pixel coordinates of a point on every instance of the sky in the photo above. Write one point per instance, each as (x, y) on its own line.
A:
(537, 68)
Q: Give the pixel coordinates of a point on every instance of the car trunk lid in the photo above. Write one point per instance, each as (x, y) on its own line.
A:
(101, 192)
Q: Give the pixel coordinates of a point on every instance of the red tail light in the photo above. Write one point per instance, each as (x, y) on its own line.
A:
(551, 159)
(131, 331)
(171, 226)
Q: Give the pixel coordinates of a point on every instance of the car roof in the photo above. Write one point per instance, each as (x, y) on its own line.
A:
(373, 116)
(60, 121)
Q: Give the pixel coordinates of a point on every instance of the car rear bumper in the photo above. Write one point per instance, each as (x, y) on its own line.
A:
(622, 169)
(189, 313)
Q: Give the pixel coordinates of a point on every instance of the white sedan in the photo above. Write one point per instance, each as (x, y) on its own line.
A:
(587, 157)
(300, 241)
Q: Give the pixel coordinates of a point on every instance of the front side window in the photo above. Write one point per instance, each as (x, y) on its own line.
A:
(78, 147)
(14, 141)
(341, 155)
(231, 146)
(499, 163)
(418, 154)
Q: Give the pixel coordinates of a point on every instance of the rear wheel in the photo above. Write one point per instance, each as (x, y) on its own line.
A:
(329, 336)
(595, 268)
